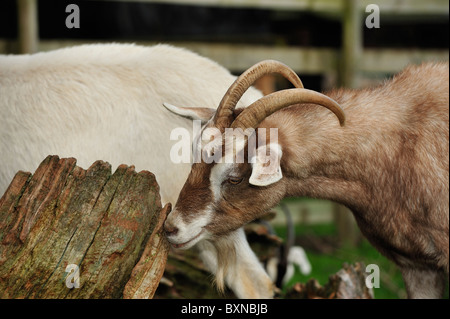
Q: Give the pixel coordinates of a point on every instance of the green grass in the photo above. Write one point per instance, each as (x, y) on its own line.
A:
(324, 265)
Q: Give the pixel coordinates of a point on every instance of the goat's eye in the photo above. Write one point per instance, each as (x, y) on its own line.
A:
(234, 180)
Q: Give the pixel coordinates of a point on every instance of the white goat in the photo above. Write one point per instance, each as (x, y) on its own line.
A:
(388, 161)
(104, 102)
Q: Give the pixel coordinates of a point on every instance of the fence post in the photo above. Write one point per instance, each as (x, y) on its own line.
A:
(28, 26)
(352, 44)
(351, 52)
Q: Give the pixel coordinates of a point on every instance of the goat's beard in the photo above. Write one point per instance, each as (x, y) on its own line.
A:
(226, 256)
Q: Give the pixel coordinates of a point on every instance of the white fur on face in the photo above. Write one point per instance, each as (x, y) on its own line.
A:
(191, 233)
(219, 173)
(188, 233)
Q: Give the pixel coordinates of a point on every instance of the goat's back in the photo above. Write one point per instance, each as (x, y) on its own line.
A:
(104, 102)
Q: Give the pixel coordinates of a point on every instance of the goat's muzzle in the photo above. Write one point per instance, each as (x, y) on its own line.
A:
(183, 234)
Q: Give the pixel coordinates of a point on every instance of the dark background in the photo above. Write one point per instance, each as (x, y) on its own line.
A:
(111, 20)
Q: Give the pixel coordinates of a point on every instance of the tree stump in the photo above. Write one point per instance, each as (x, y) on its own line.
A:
(64, 224)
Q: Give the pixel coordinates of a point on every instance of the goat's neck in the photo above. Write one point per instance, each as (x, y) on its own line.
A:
(333, 162)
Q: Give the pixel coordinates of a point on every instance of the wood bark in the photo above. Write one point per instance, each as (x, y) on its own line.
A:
(109, 226)
(347, 283)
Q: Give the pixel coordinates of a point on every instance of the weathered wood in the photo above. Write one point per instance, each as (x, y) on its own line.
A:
(28, 26)
(303, 60)
(352, 46)
(151, 265)
(331, 8)
(347, 283)
(108, 225)
(348, 232)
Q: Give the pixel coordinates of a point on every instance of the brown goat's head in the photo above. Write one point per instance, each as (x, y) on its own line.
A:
(239, 176)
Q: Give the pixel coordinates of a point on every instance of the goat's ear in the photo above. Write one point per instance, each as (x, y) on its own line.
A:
(193, 113)
(266, 167)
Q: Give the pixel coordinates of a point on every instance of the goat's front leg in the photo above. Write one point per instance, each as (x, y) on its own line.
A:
(243, 272)
(424, 284)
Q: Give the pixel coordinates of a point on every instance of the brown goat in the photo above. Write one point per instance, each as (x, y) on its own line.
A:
(389, 164)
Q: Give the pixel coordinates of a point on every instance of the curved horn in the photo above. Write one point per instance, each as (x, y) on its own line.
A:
(224, 115)
(265, 106)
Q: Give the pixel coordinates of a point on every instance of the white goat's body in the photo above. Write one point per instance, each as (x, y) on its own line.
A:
(105, 102)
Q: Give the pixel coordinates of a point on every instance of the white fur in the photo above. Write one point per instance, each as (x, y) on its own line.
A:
(297, 256)
(105, 102)
(246, 277)
(189, 234)
(219, 173)
(190, 112)
(183, 112)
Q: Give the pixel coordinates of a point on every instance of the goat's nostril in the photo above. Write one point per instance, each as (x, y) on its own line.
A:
(171, 230)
